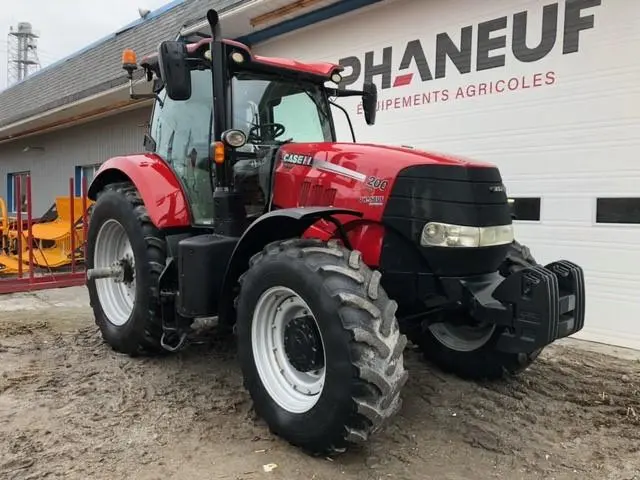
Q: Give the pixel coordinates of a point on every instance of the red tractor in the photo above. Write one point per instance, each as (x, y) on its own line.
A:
(321, 257)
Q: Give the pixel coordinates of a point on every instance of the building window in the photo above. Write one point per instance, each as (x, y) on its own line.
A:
(525, 209)
(12, 191)
(618, 210)
(82, 172)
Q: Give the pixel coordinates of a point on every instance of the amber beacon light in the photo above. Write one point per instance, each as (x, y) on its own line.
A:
(129, 60)
(218, 152)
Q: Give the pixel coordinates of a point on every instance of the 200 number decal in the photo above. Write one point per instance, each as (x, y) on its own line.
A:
(377, 183)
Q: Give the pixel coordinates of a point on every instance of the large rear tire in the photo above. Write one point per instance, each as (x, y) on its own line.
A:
(470, 352)
(319, 345)
(126, 310)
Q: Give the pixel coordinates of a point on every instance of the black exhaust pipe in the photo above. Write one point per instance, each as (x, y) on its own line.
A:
(229, 211)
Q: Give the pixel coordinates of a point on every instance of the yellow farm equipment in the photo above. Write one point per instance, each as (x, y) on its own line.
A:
(54, 243)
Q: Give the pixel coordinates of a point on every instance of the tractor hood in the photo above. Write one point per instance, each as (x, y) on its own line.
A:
(369, 159)
(403, 189)
(357, 174)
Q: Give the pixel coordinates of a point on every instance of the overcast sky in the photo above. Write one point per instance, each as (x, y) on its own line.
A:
(66, 26)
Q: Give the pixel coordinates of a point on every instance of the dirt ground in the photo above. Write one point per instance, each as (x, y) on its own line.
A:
(72, 408)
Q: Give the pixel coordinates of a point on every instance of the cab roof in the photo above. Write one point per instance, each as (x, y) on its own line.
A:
(318, 71)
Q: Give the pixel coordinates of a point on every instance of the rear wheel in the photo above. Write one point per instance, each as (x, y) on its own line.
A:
(468, 349)
(319, 345)
(121, 235)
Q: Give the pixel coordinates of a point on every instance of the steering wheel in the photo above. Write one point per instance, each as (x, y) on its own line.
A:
(271, 131)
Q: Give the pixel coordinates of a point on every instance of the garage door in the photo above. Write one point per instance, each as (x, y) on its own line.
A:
(550, 92)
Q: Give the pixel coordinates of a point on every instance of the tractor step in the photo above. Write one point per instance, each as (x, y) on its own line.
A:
(546, 303)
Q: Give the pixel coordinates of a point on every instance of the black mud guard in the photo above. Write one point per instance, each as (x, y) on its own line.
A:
(276, 225)
(547, 303)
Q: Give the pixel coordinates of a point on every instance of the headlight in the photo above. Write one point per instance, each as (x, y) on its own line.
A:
(435, 234)
(234, 138)
(237, 57)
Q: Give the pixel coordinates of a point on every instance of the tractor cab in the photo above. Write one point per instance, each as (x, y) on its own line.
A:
(221, 114)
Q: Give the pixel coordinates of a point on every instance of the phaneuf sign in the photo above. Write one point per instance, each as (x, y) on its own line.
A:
(561, 27)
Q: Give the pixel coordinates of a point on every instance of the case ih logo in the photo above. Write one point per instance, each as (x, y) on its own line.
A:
(490, 36)
(297, 159)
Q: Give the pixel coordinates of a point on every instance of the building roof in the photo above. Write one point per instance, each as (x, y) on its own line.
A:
(91, 84)
(97, 67)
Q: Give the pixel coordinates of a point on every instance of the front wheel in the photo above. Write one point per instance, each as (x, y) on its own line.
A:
(467, 349)
(120, 235)
(319, 345)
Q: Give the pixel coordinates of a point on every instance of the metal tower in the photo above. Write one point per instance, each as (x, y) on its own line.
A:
(22, 58)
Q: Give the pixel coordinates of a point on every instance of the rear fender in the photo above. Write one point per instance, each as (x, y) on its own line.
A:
(158, 185)
(273, 226)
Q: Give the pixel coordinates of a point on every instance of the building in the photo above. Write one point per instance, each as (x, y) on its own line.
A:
(546, 90)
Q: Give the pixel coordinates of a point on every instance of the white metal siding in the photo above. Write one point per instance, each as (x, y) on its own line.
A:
(567, 143)
(89, 143)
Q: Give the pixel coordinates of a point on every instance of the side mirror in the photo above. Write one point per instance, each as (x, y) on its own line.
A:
(370, 102)
(174, 70)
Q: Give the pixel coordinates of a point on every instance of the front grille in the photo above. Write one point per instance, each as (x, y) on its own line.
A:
(457, 195)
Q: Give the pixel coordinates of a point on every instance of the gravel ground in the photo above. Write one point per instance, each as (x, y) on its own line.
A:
(70, 407)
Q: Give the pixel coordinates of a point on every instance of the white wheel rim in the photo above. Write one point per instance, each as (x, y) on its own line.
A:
(461, 338)
(116, 297)
(291, 389)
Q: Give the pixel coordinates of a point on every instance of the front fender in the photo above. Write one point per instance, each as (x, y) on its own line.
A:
(276, 225)
(158, 185)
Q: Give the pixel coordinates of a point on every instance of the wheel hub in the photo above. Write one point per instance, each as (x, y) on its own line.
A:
(128, 272)
(303, 345)
(284, 334)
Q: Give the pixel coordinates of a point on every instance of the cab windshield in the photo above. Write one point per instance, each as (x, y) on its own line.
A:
(272, 110)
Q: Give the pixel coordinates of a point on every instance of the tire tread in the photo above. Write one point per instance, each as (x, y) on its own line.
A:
(149, 343)
(376, 347)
